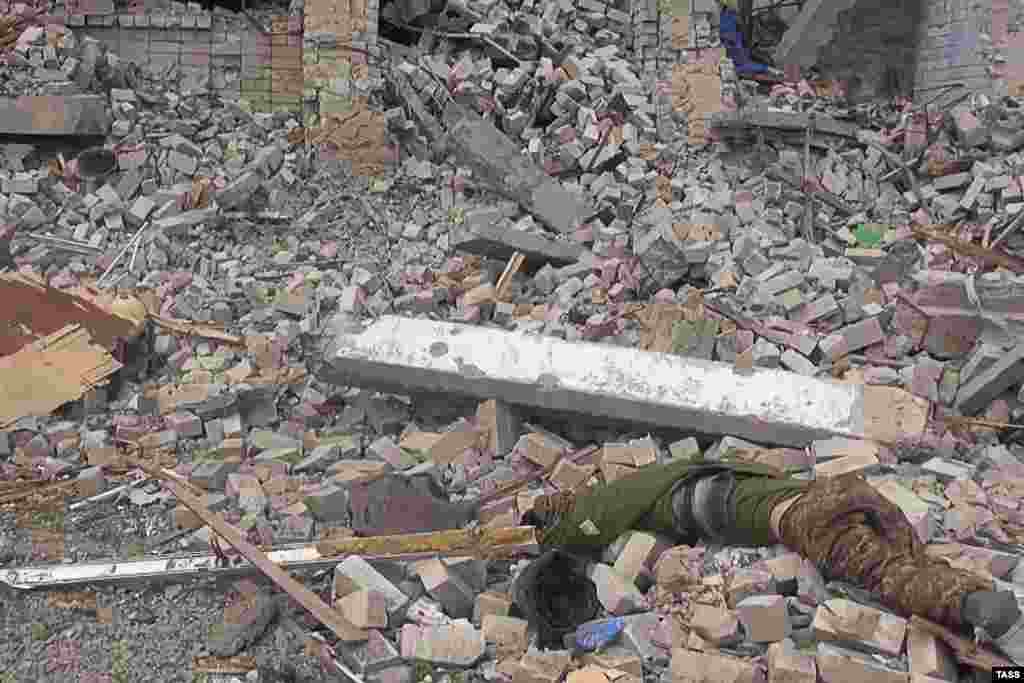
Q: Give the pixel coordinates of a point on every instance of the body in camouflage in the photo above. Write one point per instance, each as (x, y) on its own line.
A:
(592, 519)
(854, 534)
(843, 525)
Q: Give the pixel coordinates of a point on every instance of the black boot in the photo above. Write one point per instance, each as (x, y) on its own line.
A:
(555, 595)
(994, 611)
(998, 614)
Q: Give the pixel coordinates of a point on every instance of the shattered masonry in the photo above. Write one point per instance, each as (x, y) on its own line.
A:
(351, 284)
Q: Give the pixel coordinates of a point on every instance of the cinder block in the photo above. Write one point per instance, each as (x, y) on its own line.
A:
(786, 665)
(364, 608)
(689, 665)
(841, 619)
(929, 656)
(452, 592)
(765, 618)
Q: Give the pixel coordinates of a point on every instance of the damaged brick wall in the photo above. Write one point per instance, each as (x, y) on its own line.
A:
(205, 50)
(338, 36)
(305, 63)
(1008, 46)
(871, 50)
(954, 44)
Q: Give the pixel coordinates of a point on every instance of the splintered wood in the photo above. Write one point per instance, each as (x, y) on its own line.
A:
(991, 257)
(513, 266)
(83, 365)
(332, 619)
(83, 601)
(489, 542)
(239, 664)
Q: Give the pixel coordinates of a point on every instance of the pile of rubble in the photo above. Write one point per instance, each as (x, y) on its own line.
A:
(189, 309)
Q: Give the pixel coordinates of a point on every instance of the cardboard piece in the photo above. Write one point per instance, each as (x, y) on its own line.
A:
(57, 369)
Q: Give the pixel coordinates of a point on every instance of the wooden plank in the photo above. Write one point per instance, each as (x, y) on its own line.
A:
(989, 256)
(483, 542)
(330, 618)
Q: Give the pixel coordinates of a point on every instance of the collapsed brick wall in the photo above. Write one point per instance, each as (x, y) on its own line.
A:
(1008, 47)
(872, 50)
(694, 78)
(203, 50)
(339, 54)
(304, 64)
(954, 44)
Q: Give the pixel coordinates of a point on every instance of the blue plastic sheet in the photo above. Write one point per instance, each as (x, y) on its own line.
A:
(594, 635)
(735, 47)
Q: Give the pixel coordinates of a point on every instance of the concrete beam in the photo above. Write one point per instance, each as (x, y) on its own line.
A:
(494, 242)
(54, 115)
(794, 121)
(403, 355)
(499, 162)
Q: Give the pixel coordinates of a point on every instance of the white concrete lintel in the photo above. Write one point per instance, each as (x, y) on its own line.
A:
(405, 355)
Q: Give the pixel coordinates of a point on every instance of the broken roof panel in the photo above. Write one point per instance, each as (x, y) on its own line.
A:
(55, 346)
(59, 368)
(31, 310)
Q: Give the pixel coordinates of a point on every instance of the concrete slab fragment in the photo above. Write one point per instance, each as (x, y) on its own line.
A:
(54, 115)
(403, 505)
(782, 120)
(767, 406)
(498, 162)
(983, 388)
(497, 243)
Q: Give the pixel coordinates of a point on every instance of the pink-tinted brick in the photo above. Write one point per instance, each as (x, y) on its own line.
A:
(178, 358)
(861, 334)
(972, 133)
(193, 58)
(237, 482)
(187, 425)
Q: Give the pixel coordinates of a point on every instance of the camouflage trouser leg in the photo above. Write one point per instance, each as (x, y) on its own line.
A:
(853, 534)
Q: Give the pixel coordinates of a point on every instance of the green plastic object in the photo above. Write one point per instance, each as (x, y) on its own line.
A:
(869, 235)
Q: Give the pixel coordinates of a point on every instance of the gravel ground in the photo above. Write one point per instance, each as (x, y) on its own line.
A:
(138, 634)
(141, 632)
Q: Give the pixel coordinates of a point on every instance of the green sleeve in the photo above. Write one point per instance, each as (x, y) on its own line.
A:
(642, 500)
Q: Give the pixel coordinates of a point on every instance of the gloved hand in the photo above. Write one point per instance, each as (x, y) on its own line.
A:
(548, 510)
